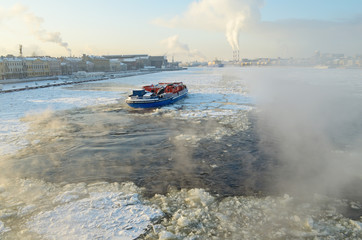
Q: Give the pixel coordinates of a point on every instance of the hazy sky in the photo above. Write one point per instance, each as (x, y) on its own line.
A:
(188, 29)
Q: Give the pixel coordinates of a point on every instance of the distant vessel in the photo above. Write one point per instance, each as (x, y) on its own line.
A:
(215, 63)
(153, 96)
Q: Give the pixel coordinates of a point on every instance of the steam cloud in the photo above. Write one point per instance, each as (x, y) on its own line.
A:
(34, 24)
(229, 16)
(232, 32)
(283, 37)
(312, 128)
(174, 46)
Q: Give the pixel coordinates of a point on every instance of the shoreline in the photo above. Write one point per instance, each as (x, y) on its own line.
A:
(72, 79)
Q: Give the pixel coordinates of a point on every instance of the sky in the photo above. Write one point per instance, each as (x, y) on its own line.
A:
(188, 30)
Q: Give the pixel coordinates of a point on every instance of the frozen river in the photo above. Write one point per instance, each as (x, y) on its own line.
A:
(251, 153)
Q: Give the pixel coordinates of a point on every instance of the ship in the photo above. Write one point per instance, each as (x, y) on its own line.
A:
(158, 95)
(215, 63)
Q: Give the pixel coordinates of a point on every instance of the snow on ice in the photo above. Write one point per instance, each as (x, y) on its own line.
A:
(103, 215)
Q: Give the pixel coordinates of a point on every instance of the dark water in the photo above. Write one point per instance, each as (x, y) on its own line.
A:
(116, 144)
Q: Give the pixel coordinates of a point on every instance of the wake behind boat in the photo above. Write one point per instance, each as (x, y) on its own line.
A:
(153, 96)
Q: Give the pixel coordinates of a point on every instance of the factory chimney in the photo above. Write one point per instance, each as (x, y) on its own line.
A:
(236, 56)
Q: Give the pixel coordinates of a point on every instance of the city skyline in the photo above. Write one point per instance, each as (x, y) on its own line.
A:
(188, 30)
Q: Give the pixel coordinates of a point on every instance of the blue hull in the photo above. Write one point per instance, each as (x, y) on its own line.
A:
(157, 103)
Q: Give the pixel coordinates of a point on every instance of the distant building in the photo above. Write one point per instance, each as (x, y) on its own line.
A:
(54, 66)
(139, 61)
(2, 69)
(101, 64)
(89, 66)
(130, 62)
(158, 61)
(123, 67)
(116, 65)
(36, 67)
(71, 65)
(18, 67)
(12, 67)
(65, 68)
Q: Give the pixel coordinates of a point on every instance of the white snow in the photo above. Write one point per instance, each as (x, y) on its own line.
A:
(195, 214)
(74, 211)
(103, 215)
(3, 229)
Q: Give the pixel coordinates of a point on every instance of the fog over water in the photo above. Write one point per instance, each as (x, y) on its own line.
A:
(254, 153)
(311, 122)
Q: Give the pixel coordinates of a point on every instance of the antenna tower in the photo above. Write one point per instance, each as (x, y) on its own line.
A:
(21, 50)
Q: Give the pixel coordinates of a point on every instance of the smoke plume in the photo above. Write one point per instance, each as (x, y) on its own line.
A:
(34, 23)
(232, 32)
(229, 16)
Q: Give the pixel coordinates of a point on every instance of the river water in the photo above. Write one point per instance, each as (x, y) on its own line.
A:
(251, 153)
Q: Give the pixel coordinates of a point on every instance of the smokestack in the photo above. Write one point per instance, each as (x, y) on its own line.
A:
(236, 56)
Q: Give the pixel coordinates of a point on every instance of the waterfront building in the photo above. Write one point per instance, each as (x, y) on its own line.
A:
(139, 61)
(158, 61)
(12, 67)
(116, 65)
(101, 64)
(131, 63)
(36, 67)
(2, 69)
(71, 65)
(54, 66)
(89, 66)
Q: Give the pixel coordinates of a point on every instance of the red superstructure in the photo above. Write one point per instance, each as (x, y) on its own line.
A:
(169, 87)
